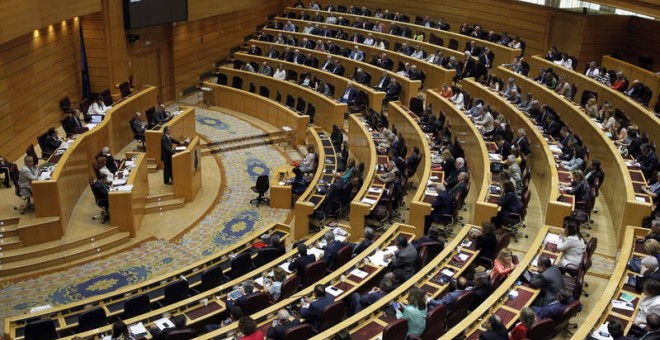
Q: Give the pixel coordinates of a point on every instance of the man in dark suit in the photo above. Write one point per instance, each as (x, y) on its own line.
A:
(442, 205)
(555, 308)
(112, 164)
(361, 77)
(287, 55)
(503, 146)
(405, 258)
(433, 236)
(51, 142)
(283, 323)
(160, 115)
(331, 249)
(254, 50)
(384, 62)
(452, 180)
(368, 240)
(648, 161)
(298, 57)
(312, 313)
(393, 90)
(495, 329)
(338, 69)
(349, 94)
(311, 61)
(273, 53)
(522, 143)
(382, 82)
(328, 64)
(166, 152)
(548, 279)
(101, 190)
(137, 125)
(301, 261)
(652, 327)
(247, 288)
(480, 288)
(71, 122)
(361, 301)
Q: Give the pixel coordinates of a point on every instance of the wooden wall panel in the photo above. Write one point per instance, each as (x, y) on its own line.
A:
(198, 44)
(36, 71)
(94, 32)
(601, 35)
(18, 17)
(201, 9)
(642, 39)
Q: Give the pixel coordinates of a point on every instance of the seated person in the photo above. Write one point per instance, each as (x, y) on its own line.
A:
(485, 240)
(4, 169)
(98, 107)
(312, 312)
(548, 279)
(404, 258)
(414, 312)
(29, 172)
(51, 143)
(111, 163)
(555, 308)
(71, 123)
(361, 301)
(298, 183)
(247, 289)
(495, 329)
(235, 313)
(481, 289)
(509, 204)
(274, 242)
(248, 327)
(309, 162)
(274, 287)
(580, 187)
(331, 249)
(616, 330)
(137, 125)
(390, 174)
(433, 236)
(652, 248)
(443, 206)
(527, 318)
(179, 324)
(100, 167)
(281, 325)
(503, 264)
(299, 263)
(160, 115)
(368, 239)
(101, 189)
(457, 287)
(572, 245)
(649, 270)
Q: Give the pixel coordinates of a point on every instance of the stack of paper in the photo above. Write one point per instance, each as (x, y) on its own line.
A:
(164, 323)
(369, 201)
(551, 238)
(359, 273)
(602, 333)
(138, 329)
(378, 258)
(334, 291)
(318, 253)
(495, 156)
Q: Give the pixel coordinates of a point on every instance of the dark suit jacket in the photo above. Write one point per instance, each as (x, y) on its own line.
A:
(136, 126)
(505, 150)
(406, 260)
(70, 123)
(352, 94)
(338, 70)
(330, 253)
(277, 332)
(299, 264)
(382, 82)
(360, 247)
(312, 313)
(552, 311)
(166, 150)
(487, 243)
(101, 190)
(241, 301)
(494, 335)
(442, 205)
(550, 282)
(523, 145)
(418, 243)
(51, 144)
(160, 335)
(641, 279)
(648, 164)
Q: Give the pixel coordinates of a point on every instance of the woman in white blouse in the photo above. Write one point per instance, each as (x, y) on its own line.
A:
(573, 246)
(650, 302)
(280, 73)
(308, 163)
(275, 287)
(457, 99)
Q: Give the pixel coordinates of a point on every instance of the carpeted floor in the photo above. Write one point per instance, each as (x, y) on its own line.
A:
(230, 219)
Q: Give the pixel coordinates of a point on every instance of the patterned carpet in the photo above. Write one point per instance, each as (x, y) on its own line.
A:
(229, 220)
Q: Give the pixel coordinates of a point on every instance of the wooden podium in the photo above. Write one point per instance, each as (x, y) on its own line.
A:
(183, 124)
(187, 171)
(127, 207)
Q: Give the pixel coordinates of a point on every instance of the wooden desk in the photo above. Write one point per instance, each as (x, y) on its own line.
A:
(632, 72)
(369, 322)
(638, 114)
(602, 311)
(618, 192)
(339, 82)
(363, 149)
(335, 278)
(181, 125)
(280, 195)
(127, 207)
(329, 111)
(66, 316)
(187, 171)
(435, 74)
(262, 108)
(408, 87)
(476, 155)
(58, 196)
(503, 54)
(540, 160)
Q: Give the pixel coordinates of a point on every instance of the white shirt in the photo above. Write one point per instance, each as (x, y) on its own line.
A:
(369, 41)
(592, 73)
(418, 54)
(647, 306)
(97, 109)
(573, 248)
(280, 74)
(458, 100)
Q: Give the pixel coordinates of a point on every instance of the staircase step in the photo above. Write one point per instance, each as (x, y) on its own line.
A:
(11, 242)
(151, 161)
(172, 204)
(9, 227)
(151, 168)
(160, 198)
(62, 258)
(56, 247)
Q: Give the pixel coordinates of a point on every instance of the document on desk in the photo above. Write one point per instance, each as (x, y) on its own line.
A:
(138, 329)
(602, 333)
(495, 156)
(163, 323)
(622, 305)
(555, 148)
(359, 273)
(118, 182)
(334, 291)
(318, 253)
(368, 201)
(128, 187)
(284, 266)
(551, 238)
(45, 175)
(180, 148)
(375, 190)
(378, 258)
(640, 199)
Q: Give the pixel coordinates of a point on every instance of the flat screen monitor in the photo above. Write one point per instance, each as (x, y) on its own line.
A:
(143, 13)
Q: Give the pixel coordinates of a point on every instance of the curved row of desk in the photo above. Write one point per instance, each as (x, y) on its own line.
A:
(504, 54)
(618, 192)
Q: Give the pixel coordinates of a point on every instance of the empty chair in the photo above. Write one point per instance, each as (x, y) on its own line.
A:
(175, 292)
(431, 250)
(237, 82)
(107, 97)
(343, 256)
(256, 302)
(181, 334)
(300, 332)
(300, 105)
(460, 310)
(417, 106)
(314, 272)
(311, 112)
(331, 315)
(264, 91)
(24, 193)
(222, 79)
(65, 104)
(40, 330)
(265, 256)
(395, 330)
(541, 329)
(240, 265)
(436, 321)
(289, 286)
(211, 278)
(290, 101)
(278, 97)
(252, 88)
(453, 44)
(125, 89)
(567, 314)
(136, 305)
(261, 187)
(92, 319)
